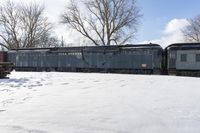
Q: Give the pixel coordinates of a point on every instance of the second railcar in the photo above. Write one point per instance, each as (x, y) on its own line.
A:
(183, 59)
(142, 59)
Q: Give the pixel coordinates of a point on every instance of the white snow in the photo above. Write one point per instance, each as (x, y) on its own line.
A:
(52, 102)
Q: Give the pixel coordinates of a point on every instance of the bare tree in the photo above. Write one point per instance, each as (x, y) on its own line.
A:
(9, 24)
(48, 41)
(106, 21)
(192, 32)
(23, 25)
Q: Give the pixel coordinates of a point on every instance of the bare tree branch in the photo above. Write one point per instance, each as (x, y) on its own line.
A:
(23, 25)
(106, 21)
(192, 32)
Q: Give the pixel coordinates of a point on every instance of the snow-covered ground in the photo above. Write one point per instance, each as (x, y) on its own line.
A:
(51, 102)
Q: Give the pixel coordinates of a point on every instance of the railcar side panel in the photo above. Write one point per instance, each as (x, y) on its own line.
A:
(184, 59)
(132, 59)
(188, 60)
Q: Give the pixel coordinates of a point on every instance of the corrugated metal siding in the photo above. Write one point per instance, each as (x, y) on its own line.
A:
(41, 60)
(132, 61)
(51, 60)
(119, 59)
(12, 57)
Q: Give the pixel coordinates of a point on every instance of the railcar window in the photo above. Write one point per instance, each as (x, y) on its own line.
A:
(75, 53)
(61, 54)
(197, 57)
(183, 57)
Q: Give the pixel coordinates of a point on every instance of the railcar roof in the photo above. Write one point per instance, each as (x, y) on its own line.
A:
(183, 46)
(80, 48)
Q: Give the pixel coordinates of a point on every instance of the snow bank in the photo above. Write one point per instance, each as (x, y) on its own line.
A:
(50, 102)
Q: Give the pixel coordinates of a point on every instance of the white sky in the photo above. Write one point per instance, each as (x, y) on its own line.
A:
(171, 31)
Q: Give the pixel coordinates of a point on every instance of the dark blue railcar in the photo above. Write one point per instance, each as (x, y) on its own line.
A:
(141, 59)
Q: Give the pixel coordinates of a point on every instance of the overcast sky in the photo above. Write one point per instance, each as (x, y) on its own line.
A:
(161, 22)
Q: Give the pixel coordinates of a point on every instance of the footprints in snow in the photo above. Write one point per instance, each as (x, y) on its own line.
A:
(2, 110)
(26, 98)
(18, 90)
(20, 83)
(7, 101)
(13, 87)
(19, 129)
(65, 83)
